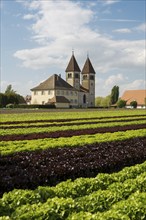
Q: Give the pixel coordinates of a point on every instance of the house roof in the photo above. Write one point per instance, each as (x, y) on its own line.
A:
(53, 82)
(59, 99)
(73, 65)
(88, 68)
(82, 89)
(134, 95)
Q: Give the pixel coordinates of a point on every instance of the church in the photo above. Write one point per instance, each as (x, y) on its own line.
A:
(77, 91)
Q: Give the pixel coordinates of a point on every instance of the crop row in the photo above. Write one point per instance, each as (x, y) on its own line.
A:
(9, 147)
(92, 196)
(48, 167)
(56, 116)
(75, 122)
(65, 128)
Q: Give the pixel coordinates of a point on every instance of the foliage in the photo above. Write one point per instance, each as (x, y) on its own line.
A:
(9, 90)
(10, 97)
(121, 103)
(102, 101)
(133, 104)
(3, 100)
(114, 95)
(108, 196)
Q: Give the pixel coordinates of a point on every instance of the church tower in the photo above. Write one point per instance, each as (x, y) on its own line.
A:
(73, 73)
(88, 81)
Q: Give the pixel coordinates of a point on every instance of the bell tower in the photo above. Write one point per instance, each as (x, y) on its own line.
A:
(88, 80)
(73, 73)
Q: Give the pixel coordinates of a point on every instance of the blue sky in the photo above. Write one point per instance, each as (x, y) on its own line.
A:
(37, 38)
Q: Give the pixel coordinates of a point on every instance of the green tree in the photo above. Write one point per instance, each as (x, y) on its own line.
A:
(3, 100)
(10, 97)
(9, 90)
(121, 103)
(114, 95)
(98, 101)
(133, 104)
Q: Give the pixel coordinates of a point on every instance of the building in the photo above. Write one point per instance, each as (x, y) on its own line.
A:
(77, 91)
(135, 95)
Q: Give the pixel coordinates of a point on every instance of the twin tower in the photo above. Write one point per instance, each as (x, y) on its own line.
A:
(83, 81)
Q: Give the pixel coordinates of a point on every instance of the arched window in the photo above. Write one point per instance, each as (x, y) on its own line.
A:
(84, 77)
(69, 75)
(84, 99)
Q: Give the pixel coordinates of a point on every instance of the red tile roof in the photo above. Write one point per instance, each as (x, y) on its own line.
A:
(135, 95)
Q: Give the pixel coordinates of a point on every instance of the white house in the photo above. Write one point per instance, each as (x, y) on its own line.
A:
(77, 91)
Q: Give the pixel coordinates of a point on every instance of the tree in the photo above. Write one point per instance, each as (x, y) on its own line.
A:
(133, 104)
(10, 97)
(3, 100)
(102, 101)
(9, 90)
(121, 103)
(114, 95)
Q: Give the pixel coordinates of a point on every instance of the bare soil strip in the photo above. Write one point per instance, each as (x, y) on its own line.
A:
(70, 124)
(27, 170)
(70, 133)
(67, 120)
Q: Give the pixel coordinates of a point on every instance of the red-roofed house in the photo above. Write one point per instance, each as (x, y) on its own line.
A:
(135, 95)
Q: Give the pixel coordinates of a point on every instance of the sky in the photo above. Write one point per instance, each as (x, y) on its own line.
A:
(38, 37)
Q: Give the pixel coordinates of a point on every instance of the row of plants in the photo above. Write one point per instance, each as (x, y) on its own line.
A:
(55, 116)
(84, 197)
(66, 127)
(70, 123)
(10, 147)
(27, 170)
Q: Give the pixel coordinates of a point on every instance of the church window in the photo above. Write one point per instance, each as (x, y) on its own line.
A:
(58, 92)
(84, 99)
(92, 77)
(69, 75)
(76, 75)
(84, 77)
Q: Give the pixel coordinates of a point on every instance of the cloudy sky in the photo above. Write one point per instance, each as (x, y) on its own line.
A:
(38, 36)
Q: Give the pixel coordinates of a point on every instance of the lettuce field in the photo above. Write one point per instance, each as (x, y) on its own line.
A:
(73, 165)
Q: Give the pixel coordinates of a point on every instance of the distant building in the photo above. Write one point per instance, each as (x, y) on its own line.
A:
(77, 91)
(135, 95)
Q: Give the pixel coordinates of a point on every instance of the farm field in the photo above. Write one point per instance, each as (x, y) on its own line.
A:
(73, 165)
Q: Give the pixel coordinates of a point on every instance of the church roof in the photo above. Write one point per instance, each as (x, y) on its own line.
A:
(73, 65)
(59, 99)
(134, 95)
(53, 82)
(88, 68)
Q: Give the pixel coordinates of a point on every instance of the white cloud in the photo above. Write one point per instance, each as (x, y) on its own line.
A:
(109, 2)
(134, 85)
(141, 27)
(118, 20)
(114, 79)
(62, 25)
(122, 31)
(28, 16)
